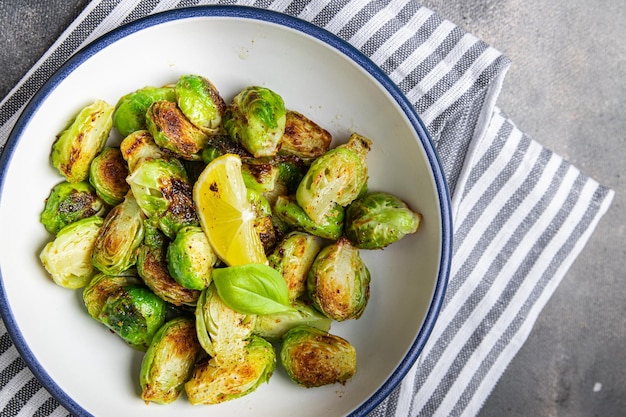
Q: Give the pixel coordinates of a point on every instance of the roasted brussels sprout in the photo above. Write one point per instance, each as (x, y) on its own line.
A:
(68, 257)
(263, 224)
(379, 219)
(70, 202)
(173, 131)
(191, 259)
(163, 191)
(222, 145)
(221, 330)
(331, 226)
(200, 101)
(107, 174)
(256, 120)
(101, 287)
(217, 381)
(135, 314)
(339, 176)
(152, 268)
(119, 238)
(169, 361)
(274, 326)
(140, 145)
(130, 110)
(292, 171)
(338, 283)
(78, 145)
(313, 357)
(260, 174)
(292, 257)
(303, 137)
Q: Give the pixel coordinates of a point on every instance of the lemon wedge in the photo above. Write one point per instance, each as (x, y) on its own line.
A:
(226, 216)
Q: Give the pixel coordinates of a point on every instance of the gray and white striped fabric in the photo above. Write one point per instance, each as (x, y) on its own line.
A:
(521, 213)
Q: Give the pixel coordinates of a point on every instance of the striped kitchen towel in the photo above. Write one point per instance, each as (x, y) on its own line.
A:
(521, 213)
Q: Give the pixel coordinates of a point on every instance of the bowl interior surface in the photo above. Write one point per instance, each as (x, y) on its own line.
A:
(89, 368)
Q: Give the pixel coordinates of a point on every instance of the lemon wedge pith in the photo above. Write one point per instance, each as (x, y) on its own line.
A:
(225, 214)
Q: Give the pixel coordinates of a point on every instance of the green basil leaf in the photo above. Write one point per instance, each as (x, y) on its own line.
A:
(252, 289)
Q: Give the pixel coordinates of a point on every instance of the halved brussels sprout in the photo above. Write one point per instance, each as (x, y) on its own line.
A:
(260, 174)
(135, 314)
(337, 177)
(303, 137)
(339, 282)
(78, 145)
(70, 202)
(263, 224)
(221, 330)
(256, 120)
(130, 110)
(191, 259)
(222, 145)
(379, 219)
(163, 191)
(107, 174)
(293, 257)
(169, 361)
(152, 268)
(216, 381)
(140, 145)
(200, 101)
(119, 238)
(274, 326)
(68, 257)
(331, 227)
(100, 288)
(173, 131)
(313, 357)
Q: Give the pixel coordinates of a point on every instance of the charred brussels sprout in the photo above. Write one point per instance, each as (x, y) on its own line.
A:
(130, 110)
(292, 257)
(260, 174)
(339, 282)
(216, 381)
(163, 192)
(221, 330)
(108, 174)
(138, 146)
(152, 268)
(303, 137)
(100, 288)
(379, 219)
(274, 326)
(173, 131)
(78, 145)
(119, 238)
(70, 202)
(263, 219)
(190, 258)
(330, 227)
(169, 361)
(256, 120)
(222, 145)
(200, 101)
(68, 257)
(313, 357)
(339, 176)
(135, 314)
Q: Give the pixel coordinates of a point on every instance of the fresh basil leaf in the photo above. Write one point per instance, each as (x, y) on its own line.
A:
(252, 289)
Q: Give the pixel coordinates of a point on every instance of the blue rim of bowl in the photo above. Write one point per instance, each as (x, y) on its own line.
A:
(307, 28)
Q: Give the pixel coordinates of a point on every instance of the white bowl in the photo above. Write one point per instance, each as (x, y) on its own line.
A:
(91, 371)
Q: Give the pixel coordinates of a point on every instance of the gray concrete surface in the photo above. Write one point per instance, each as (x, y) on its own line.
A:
(566, 88)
